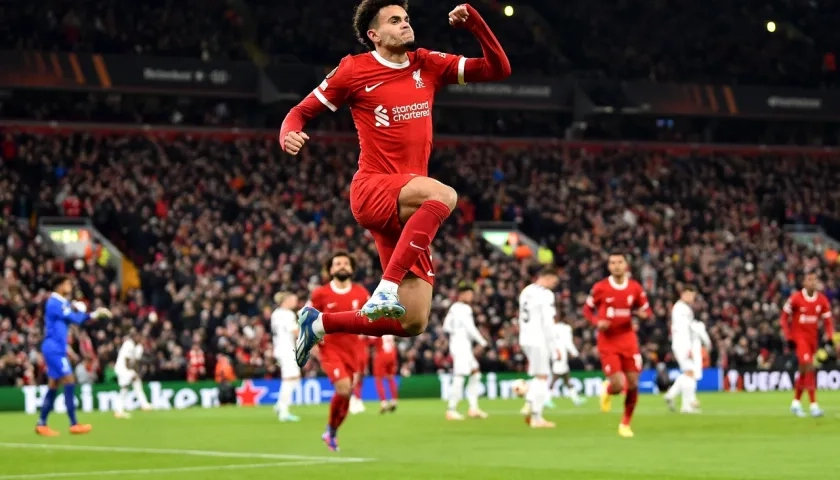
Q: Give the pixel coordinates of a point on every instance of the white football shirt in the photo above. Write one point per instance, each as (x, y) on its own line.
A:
(563, 342)
(129, 354)
(536, 316)
(459, 323)
(284, 328)
(681, 317)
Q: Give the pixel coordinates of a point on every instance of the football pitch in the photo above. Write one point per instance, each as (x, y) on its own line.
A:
(739, 436)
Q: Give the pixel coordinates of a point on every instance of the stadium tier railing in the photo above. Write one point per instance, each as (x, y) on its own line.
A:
(591, 146)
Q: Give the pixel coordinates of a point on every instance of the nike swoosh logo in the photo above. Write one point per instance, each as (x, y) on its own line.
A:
(414, 245)
(331, 305)
(370, 89)
(430, 273)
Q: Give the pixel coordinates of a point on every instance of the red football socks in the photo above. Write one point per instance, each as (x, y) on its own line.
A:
(797, 385)
(415, 239)
(355, 322)
(392, 388)
(392, 382)
(630, 405)
(380, 389)
(811, 386)
(339, 406)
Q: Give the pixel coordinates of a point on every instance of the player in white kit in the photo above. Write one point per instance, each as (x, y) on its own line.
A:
(460, 325)
(284, 328)
(536, 317)
(688, 337)
(563, 347)
(125, 368)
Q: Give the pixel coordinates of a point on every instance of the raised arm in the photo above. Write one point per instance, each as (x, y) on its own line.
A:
(493, 66)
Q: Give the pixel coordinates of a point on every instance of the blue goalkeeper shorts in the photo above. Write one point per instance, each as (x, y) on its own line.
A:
(58, 366)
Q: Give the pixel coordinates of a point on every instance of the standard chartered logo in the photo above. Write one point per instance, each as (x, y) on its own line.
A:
(381, 115)
(384, 116)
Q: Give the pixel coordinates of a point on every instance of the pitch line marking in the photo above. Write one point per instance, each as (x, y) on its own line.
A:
(143, 471)
(195, 453)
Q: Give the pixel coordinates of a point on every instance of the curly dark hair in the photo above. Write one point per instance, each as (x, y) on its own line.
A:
(341, 253)
(366, 13)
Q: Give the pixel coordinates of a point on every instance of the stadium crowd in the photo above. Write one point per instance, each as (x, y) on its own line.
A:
(712, 42)
(667, 41)
(217, 226)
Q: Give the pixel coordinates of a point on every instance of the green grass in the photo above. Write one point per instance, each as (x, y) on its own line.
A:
(739, 436)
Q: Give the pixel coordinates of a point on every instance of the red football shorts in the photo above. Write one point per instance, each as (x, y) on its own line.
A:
(613, 362)
(338, 367)
(385, 366)
(374, 201)
(805, 352)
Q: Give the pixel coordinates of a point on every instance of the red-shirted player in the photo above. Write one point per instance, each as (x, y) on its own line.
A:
(610, 307)
(385, 368)
(339, 353)
(391, 92)
(806, 307)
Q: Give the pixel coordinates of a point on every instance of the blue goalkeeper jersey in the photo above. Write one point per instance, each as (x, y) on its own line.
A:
(58, 314)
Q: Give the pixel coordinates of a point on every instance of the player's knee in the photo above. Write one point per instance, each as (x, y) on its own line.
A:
(446, 195)
(414, 325)
(689, 374)
(344, 387)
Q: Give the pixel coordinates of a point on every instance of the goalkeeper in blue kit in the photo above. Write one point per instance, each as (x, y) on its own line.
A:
(59, 313)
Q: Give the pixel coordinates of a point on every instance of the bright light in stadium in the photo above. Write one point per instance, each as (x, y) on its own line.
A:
(509, 11)
(771, 27)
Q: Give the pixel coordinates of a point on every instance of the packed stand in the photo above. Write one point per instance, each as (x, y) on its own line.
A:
(687, 41)
(665, 40)
(217, 30)
(219, 226)
(188, 28)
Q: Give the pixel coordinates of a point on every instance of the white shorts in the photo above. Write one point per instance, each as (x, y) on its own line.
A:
(288, 366)
(463, 363)
(125, 376)
(560, 367)
(689, 364)
(539, 360)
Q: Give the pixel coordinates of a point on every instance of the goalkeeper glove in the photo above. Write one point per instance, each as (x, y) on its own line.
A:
(101, 312)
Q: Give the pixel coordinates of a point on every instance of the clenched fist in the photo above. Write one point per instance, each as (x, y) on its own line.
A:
(459, 15)
(294, 141)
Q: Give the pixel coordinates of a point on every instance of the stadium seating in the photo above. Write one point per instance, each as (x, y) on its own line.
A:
(218, 224)
(662, 41)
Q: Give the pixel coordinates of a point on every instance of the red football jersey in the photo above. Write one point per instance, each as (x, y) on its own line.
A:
(807, 313)
(329, 298)
(391, 104)
(614, 302)
(386, 347)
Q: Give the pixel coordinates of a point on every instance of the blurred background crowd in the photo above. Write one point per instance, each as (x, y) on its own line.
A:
(214, 224)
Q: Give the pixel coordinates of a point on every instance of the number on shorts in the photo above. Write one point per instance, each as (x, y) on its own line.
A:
(637, 358)
(65, 364)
